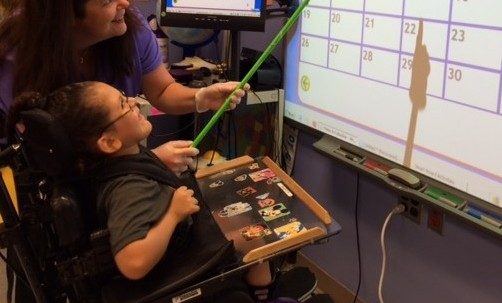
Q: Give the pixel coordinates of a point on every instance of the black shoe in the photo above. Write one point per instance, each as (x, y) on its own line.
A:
(298, 283)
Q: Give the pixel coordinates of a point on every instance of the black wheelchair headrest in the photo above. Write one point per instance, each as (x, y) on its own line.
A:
(47, 146)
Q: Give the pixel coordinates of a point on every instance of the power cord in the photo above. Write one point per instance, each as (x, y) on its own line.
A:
(217, 49)
(267, 122)
(277, 127)
(175, 132)
(231, 127)
(215, 144)
(234, 127)
(395, 211)
(228, 115)
(358, 244)
(193, 122)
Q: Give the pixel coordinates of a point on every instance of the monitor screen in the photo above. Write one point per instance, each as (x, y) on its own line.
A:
(242, 15)
(418, 82)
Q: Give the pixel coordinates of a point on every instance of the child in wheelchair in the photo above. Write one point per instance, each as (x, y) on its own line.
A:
(146, 211)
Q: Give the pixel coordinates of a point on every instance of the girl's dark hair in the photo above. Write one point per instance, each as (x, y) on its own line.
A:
(68, 105)
(40, 32)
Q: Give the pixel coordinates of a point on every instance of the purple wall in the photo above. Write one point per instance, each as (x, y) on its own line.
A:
(175, 53)
(462, 266)
(260, 40)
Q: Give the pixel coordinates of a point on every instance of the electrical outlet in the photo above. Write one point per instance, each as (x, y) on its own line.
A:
(435, 221)
(412, 209)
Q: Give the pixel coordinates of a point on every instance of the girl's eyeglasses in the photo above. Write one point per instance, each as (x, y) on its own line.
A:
(131, 105)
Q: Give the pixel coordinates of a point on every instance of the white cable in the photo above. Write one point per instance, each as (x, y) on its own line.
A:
(395, 211)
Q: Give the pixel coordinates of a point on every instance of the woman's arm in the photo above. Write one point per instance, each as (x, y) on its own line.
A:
(165, 94)
(170, 97)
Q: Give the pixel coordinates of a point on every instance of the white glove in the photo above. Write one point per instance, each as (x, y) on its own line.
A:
(213, 96)
(177, 155)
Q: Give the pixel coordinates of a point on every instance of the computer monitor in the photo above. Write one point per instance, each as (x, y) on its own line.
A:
(240, 15)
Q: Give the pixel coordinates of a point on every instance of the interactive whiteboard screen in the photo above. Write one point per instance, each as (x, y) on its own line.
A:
(418, 82)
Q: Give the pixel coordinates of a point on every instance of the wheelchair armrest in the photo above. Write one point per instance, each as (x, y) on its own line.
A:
(68, 220)
(95, 261)
(100, 238)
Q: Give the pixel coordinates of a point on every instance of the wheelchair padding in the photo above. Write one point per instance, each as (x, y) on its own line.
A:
(205, 252)
(47, 148)
(47, 144)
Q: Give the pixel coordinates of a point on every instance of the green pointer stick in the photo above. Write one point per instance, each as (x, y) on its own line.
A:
(284, 30)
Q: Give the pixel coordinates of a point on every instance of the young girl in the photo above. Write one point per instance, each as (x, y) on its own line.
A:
(105, 127)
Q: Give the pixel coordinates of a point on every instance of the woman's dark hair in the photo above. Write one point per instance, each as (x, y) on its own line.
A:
(7, 6)
(40, 32)
(68, 105)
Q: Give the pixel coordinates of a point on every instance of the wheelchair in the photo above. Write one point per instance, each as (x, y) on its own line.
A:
(60, 253)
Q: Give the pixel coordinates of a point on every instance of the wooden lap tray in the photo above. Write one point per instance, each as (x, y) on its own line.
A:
(260, 208)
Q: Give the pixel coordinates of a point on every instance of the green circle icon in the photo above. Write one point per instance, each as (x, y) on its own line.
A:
(305, 83)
